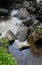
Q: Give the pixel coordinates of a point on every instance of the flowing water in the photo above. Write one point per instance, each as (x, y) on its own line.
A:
(24, 57)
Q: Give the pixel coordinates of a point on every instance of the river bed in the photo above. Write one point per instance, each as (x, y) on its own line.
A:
(24, 57)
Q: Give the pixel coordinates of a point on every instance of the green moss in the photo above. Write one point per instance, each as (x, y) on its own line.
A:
(6, 58)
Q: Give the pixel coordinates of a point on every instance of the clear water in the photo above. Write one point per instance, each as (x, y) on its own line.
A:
(24, 57)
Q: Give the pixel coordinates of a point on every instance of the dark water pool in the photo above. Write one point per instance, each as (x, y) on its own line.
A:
(24, 57)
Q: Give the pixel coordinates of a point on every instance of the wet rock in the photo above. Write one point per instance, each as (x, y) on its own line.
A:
(22, 33)
(26, 4)
(4, 10)
(32, 9)
(28, 22)
(23, 14)
(39, 11)
(0, 34)
(36, 22)
(23, 45)
(39, 16)
(10, 36)
(4, 14)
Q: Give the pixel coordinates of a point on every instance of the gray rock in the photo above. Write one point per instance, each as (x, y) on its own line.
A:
(4, 10)
(28, 22)
(22, 33)
(36, 22)
(23, 13)
(26, 4)
(32, 9)
(10, 35)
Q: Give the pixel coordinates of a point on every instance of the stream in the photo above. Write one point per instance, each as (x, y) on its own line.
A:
(24, 57)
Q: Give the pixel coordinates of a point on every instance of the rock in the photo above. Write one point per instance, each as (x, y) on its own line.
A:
(23, 45)
(28, 22)
(23, 14)
(36, 22)
(32, 9)
(4, 14)
(39, 15)
(39, 11)
(4, 10)
(22, 33)
(0, 34)
(10, 36)
(26, 4)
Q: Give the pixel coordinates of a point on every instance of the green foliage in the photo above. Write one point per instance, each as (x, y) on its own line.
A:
(37, 30)
(5, 41)
(6, 58)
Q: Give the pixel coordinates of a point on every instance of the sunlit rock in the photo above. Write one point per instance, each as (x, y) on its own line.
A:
(10, 36)
(23, 45)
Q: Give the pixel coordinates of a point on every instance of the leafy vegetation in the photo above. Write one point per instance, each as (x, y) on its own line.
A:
(37, 30)
(6, 58)
(5, 41)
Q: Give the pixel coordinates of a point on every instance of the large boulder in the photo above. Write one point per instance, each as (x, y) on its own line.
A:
(23, 14)
(10, 36)
(22, 33)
